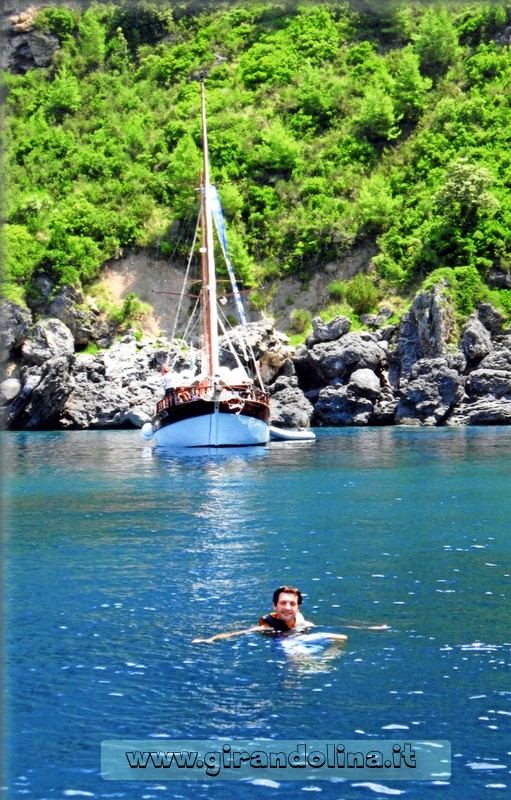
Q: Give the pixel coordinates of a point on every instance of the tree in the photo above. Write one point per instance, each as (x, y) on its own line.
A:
(410, 87)
(63, 96)
(92, 40)
(466, 194)
(377, 118)
(361, 293)
(436, 42)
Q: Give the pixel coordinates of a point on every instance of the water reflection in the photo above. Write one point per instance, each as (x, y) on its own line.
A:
(117, 557)
(301, 657)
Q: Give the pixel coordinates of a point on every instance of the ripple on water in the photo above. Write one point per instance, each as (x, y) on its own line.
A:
(265, 782)
(378, 787)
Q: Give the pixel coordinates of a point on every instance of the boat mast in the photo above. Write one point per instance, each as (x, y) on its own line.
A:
(209, 277)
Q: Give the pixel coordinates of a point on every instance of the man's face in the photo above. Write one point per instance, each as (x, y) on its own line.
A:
(286, 607)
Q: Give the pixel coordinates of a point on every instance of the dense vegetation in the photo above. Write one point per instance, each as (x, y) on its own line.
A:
(329, 128)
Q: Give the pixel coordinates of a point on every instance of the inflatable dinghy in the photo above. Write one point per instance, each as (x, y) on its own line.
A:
(290, 434)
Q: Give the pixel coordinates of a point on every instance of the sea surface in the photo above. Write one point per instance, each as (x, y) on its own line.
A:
(117, 556)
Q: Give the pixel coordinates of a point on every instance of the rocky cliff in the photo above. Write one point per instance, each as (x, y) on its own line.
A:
(23, 46)
(423, 371)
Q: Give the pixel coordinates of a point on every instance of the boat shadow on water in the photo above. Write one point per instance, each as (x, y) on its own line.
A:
(221, 453)
(200, 454)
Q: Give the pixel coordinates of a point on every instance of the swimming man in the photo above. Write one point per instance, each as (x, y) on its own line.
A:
(286, 616)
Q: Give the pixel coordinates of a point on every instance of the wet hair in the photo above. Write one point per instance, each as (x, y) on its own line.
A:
(288, 590)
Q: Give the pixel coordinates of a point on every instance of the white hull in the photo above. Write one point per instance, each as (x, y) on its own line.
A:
(214, 430)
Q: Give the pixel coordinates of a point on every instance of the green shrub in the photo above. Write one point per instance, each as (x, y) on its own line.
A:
(63, 96)
(301, 320)
(337, 290)
(436, 42)
(258, 300)
(22, 253)
(377, 117)
(61, 21)
(362, 294)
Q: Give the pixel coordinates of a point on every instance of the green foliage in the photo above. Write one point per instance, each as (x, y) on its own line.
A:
(301, 320)
(436, 41)
(337, 290)
(377, 117)
(478, 23)
(141, 23)
(63, 97)
(23, 253)
(91, 350)
(132, 309)
(269, 62)
(376, 207)
(277, 150)
(328, 129)
(410, 88)
(92, 40)
(127, 314)
(63, 22)
(362, 294)
(465, 194)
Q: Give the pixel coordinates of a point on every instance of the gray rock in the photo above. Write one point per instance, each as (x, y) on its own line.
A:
(49, 395)
(431, 393)
(365, 383)
(116, 388)
(499, 278)
(498, 359)
(338, 407)
(9, 389)
(29, 50)
(483, 411)
(491, 317)
(68, 306)
(43, 393)
(49, 338)
(289, 406)
(476, 341)
(384, 410)
(309, 372)
(30, 379)
(486, 382)
(260, 339)
(327, 331)
(338, 359)
(40, 294)
(15, 321)
(425, 330)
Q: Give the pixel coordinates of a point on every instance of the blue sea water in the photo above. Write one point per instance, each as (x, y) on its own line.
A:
(116, 557)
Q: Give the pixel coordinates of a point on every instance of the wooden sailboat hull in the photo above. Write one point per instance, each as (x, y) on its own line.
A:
(205, 423)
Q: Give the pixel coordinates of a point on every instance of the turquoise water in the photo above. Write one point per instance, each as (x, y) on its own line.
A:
(116, 557)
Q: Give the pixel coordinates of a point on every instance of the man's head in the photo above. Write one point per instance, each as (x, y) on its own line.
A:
(286, 602)
(287, 590)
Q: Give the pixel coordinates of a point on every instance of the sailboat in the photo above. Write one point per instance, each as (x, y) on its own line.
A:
(212, 405)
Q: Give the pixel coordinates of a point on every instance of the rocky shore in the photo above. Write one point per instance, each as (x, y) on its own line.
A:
(423, 371)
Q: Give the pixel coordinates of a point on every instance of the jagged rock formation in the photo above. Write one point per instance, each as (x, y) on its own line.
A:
(25, 47)
(416, 373)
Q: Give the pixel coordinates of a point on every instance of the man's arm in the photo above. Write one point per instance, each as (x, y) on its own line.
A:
(229, 634)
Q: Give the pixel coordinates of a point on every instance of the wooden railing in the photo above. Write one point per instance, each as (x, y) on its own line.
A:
(185, 395)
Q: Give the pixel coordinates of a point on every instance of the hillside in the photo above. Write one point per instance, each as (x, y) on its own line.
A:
(332, 132)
